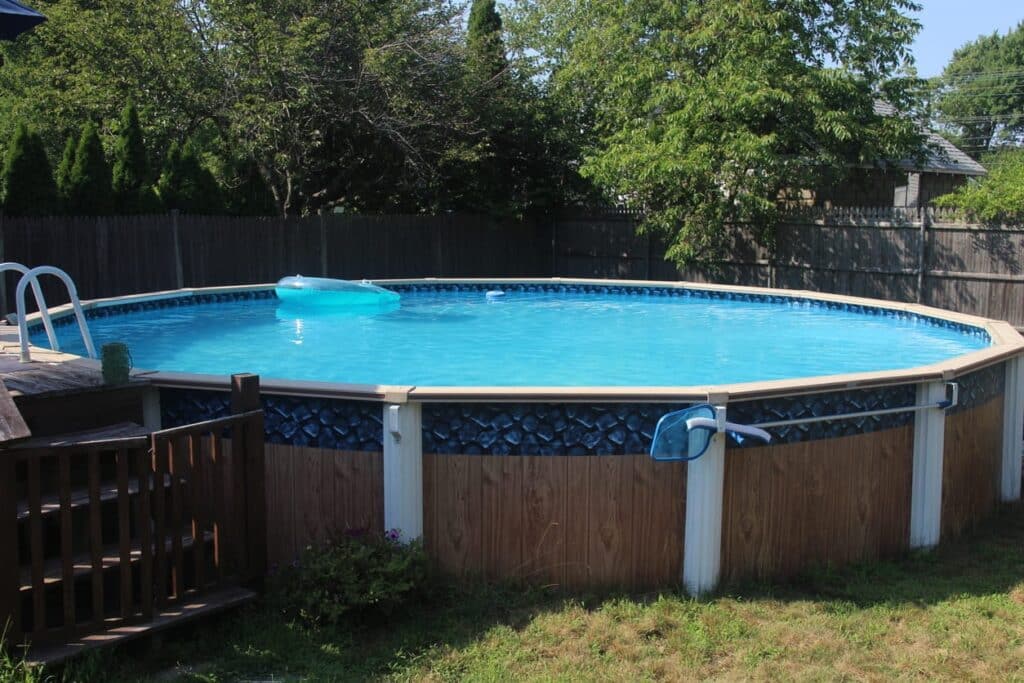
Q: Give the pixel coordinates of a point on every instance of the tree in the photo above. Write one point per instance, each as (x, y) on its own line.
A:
(67, 162)
(484, 40)
(89, 192)
(89, 58)
(703, 114)
(132, 190)
(339, 104)
(26, 183)
(249, 194)
(186, 184)
(980, 95)
(996, 198)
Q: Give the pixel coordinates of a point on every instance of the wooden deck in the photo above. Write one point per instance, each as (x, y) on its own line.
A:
(49, 372)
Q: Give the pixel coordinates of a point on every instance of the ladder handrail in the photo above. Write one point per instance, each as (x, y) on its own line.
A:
(32, 277)
(40, 300)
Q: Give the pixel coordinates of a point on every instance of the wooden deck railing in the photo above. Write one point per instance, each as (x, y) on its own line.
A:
(99, 532)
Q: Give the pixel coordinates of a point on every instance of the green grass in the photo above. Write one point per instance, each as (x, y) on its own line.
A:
(955, 613)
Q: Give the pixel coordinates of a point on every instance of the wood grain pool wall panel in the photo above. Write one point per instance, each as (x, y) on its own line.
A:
(971, 466)
(576, 521)
(314, 493)
(791, 506)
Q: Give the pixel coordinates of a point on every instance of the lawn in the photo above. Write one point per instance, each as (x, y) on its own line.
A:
(954, 613)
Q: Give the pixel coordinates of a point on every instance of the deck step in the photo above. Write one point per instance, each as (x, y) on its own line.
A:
(189, 609)
(120, 435)
(53, 569)
(50, 504)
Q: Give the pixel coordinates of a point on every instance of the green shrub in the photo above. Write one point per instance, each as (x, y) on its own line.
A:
(996, 198)
(355, 575)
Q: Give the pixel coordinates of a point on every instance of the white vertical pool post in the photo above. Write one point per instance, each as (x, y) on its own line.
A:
(926, 486)
(1013, 430)
(403, 469)
(705, 481)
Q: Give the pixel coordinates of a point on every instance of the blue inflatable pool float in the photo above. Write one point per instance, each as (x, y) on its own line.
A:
(321, 292)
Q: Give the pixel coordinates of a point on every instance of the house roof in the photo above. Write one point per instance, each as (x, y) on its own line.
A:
(942, 157)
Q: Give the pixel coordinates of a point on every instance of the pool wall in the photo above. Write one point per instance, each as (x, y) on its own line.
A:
(553, 485)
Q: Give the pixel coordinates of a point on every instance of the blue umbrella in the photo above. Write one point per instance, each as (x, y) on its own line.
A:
(15, 19)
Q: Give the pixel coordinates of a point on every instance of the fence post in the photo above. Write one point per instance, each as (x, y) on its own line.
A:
(249, 461)
(403, 469)
(922, 267)
(554, 247)
(323, 242)
(926, 481)
(10, 598)
(179, 272)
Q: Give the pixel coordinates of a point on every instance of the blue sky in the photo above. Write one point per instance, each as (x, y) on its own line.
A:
(948, 24)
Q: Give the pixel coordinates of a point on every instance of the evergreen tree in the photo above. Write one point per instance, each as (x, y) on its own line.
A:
(26, 184)
(486, 47)
(90, 192)
(186, 184)
(67, 162)
(130, 166)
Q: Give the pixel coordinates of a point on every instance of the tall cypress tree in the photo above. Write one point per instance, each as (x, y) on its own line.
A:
(130, 167)
(26, 183)
(90, 193)
(185, 184)
(486, 47)
(67, 162)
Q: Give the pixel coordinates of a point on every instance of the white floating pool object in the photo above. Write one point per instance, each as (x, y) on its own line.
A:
(324, 292)
(494, 294)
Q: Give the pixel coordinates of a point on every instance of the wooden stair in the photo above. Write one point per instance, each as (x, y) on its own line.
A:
(189, 609)
(111, 559)
(117, 532)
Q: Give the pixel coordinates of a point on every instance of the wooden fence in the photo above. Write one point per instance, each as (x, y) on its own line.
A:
(915, 255)
(110, 256)
(923, 256)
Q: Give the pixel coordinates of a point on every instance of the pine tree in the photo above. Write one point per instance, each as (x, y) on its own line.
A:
(67, 162)
(26, 183)
(169, 182)
(486, 47)
(186, 184)
(130, 167)
(90, 192)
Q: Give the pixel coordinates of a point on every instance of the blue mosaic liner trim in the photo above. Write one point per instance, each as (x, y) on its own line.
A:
(545, 288)
(684, 293)
(158, 304)
(980, 387)
(562, 429)
(291, 420)
(627, 429)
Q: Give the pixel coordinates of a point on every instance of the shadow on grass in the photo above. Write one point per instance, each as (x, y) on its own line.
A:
(260, 643)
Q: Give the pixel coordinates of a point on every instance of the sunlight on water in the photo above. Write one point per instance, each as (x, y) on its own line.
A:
(462, 338)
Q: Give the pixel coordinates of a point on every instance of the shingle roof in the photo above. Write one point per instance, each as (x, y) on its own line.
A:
(943, 156)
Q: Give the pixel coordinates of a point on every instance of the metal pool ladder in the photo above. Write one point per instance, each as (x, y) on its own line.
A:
(30, 277)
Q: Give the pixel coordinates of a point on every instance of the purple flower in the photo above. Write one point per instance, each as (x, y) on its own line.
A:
(393, 535)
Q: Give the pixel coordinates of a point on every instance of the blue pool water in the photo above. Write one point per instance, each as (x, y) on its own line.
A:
(527, 339)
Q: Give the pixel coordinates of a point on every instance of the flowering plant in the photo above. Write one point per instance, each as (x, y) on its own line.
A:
(356, 573)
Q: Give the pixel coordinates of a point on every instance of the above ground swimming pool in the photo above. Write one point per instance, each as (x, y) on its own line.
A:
(530, 336)
(511, 432)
